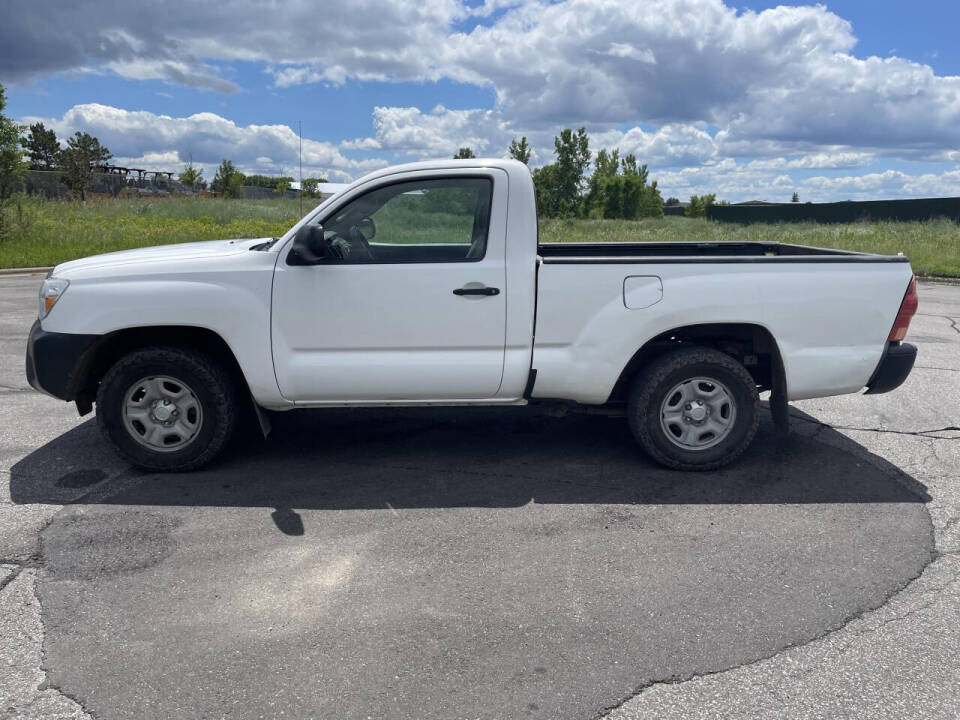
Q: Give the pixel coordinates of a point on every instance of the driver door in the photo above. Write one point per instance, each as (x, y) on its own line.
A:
(410, 307)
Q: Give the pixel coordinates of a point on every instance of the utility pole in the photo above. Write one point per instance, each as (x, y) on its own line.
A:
(300, 133)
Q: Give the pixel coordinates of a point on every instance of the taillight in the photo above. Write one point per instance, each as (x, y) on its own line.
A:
(908, 309)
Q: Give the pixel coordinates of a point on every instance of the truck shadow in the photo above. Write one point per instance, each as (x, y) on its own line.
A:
(362, 459)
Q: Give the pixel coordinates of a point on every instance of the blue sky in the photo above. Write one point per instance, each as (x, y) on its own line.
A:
(844, 100)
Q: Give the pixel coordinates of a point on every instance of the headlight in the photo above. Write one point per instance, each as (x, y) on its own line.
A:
(50, 292)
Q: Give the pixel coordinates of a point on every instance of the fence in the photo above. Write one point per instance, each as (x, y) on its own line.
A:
(48, 183)
(838, 212)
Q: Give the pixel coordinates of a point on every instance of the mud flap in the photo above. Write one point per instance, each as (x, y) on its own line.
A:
(265, 426)
(779, 408)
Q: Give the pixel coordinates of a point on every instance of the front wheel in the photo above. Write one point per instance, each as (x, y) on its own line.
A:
(694, 409)
(167, 409)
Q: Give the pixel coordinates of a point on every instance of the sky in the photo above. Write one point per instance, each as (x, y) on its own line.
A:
(854, 99)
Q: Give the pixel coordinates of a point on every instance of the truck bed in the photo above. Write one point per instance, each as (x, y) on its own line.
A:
(828, 311)
(710, 252)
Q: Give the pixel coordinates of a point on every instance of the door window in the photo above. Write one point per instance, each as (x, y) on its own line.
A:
(420, 221)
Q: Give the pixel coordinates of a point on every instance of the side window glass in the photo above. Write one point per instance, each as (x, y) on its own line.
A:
(443, 220)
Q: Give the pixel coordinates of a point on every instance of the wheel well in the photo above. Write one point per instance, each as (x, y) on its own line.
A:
(104, 353)
(751, 345)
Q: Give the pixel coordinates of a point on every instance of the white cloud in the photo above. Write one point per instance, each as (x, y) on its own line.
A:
(822, 160)
(177, 40)
(887, 184)
(669, 146)
(438, 133)
(739, 182)
(626, 50)
(784, 77)
(207, 138)
(697, 82)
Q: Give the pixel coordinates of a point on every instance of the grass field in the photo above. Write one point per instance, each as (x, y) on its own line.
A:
(933, 247)
(50, 232)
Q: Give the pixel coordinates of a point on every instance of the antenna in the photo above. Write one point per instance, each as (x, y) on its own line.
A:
(300, 133)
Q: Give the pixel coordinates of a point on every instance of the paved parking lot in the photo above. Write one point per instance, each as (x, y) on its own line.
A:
(481, 563)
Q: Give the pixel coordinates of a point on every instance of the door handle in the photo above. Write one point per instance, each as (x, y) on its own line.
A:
(477, 291)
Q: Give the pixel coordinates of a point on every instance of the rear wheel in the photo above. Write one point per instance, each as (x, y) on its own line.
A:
(167, 408)
(694, 409)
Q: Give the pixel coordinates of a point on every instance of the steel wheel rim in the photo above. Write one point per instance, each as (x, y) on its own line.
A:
(698, 414)
(162, 413)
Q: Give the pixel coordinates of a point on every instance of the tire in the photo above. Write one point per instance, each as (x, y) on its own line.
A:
(722, 417)
(198, 416)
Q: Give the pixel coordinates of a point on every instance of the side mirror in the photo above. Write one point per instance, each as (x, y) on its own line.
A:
(309, 245)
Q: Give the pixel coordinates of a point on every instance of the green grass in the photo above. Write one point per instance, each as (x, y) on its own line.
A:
(933, 247)
(50, 232)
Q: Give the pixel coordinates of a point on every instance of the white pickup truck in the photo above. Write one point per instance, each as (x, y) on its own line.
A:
(424, 284)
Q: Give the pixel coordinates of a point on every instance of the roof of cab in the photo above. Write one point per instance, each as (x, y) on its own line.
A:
(511, 167)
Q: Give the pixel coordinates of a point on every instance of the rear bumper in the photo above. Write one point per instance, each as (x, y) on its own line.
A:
(53, 360)
(893, 369)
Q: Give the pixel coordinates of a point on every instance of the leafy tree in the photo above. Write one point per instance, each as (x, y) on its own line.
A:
(191, 176)
(618, 189)
(606, 164)
(464, 153)
(11, 162)
(228, 181)
(560, 185)
(42, 147)
(545, 185)
(699, 204)
(796, 197)
(80, 160)
(520, 150)
(283, 184)
(672, 201)
(573, 157)
(630, 167)
(309, 186)
(234, 188)
(267, 181)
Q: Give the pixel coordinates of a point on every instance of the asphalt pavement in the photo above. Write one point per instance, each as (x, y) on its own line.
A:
(486, 563)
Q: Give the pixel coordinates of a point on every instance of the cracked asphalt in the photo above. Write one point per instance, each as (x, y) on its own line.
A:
(487, 563)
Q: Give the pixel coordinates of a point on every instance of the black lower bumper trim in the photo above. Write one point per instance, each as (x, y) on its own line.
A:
(893, 369)
(53, 359)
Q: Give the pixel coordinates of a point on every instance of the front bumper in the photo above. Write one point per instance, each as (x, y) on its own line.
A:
(54, 360)
(894, 367)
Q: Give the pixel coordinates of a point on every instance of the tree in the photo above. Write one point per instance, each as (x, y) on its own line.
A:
(283, 184)
(464, 153)
(796, 197)
(520, 150)
(191, 176)
(560, 185)
(618, 189)
(699, 204)
(573, 157)
(607, 164)
(42, 147)
(672, 201)
(80, 160)
(11, 162)
(545, 186)
(309, 186)
(228, 181)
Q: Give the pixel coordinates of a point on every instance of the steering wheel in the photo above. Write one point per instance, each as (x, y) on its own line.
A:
(357, 236)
